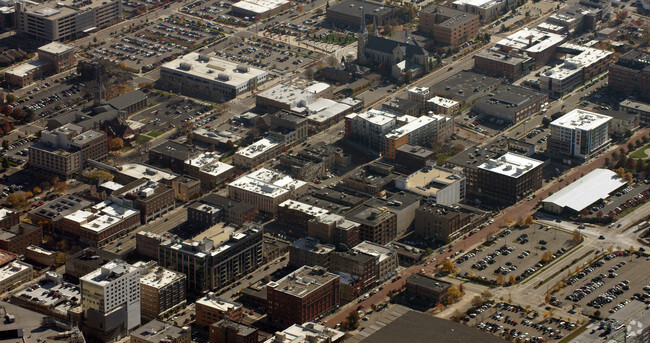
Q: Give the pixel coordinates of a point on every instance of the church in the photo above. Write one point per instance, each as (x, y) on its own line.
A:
(402, 56)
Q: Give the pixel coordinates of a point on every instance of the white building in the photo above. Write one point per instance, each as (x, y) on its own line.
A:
(258, 152)
(110, 299)
(209, 169)
(257, 9)
(266, 189)
(137, 171)
(562, 78)
(294, 96)
(209, 77)
(14, 274)
(485, 9)
(308, 332)
(370, 128)
(422, 131)
(440, 105)
(579, 133)
(439, 185)
(419, 95)
(538, 44)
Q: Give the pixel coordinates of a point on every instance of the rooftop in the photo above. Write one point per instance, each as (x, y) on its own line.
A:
(375, 117)
(428, 282)
(453, 16)
(52, 292)
(415, 150)
(30, 326)
(137, 170)
(9, 270)
(304, 208)
(369, 215)
(295, 95)
(261, 146)
(584, 57)
(323, 109)
(224, 202)
(241, 329)
(531, 40)
(579, 119)
(586, 190)
(374, 249)
(494, 54)
(221, 304)
(477, 3)
(26, 68)
(259, 6)
(210, 68)
(56, 48)
(464, 84)
(125, 100)
(175, 150)
(635, 105)
(303, 281)
(158, 331)
(430, 179)
(4, 212)
(313, 245)
(443, 102)
(109, 272)
(511, 165)
(60, 207)
(267, 182)
(411, 127)
(209, 163)
(307, 332)
(352, 8)
(159, 277)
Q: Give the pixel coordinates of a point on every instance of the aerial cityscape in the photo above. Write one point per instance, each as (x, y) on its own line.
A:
(325, 171)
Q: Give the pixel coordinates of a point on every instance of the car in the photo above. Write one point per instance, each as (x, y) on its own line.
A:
(601, 237)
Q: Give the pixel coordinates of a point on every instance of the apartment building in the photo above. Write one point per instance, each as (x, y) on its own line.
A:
(425, 130)
(438, 221)
(110, 299)
(214, 208)
(442, 106)
(631, 74)
(579, 134)
(447, 25)
(162, 291)
(266, 189)
(211, 309)
(151, 198)
(100, 223)
(304, 295)
(509, 178)
(370, 128)
(386, 258)
(377, 224)
(66, 150)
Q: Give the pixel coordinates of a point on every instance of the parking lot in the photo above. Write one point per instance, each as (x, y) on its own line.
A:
(272, 57)
(218, 11)
(508, 320)
(171, 112)
(516, 254)
(158, 42)
(629, 197)
(606, 285)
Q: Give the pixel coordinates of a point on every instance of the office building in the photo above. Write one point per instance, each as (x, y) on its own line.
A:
(436, 184)
(584, 64)
(426, 287)
(512, 65)
(110, 298)
(630, 75)
(377, 224)
(360, 264)
(211, 309)
(214, 208)
(162, 291)
(157, 331)
(260, 9)
(228, 331)
(213, 265)
(334, 229)
(538, 44)
(293, 96)
(304, 295)
(209, 169)
(349, 13)
(14, 274)
(66, 150)
(51, 213)
(258, 152)
(579, 134)
(511, 103)
(100, 223)
(487, 10)
(266, 189)
(425, 130)
(65, 20)
(53, 58)
(186, 188)
(309, 251)
(208, 77)
(442, 106)
(439, 222)
(509, 178)
(296, 214)
(447, 25)
(151, 198)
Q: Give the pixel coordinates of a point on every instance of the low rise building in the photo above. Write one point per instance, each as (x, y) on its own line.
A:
(209, 77)
(51, 296)
(162, 291)
(146, 243)
(100, 224)
(426, 287)
(360, 264)
(386, 258)
(293, 96)
(209, 169)
(228, 331)
(630, 75)
(449, 26)
(442, 106)
(579, 134)
(186, 188)
(134, 171)
(512, 65)
(641, 109)
(436, 184)
(585, 64)
(258, 152)
(214, 208)
(53, 58)
(539, 45)
(439, 222)
(425, 130)
(260, 9)
(410, 158)
(465, 86)
(172, 155)
(157, 331)
(37, 255)
(51, 213)
(151, 198)
(348, 12)
(211, 309)
(509, 178)
(334, 229)
(296, 214)
(86, 261)
(377, 224)
(370, 128)
(266, 189)
(14, 274)
(487, 10)
(511, 103)
(315, 161)
(308, 332)
(309, 251)
(19, 237)
(304, 295)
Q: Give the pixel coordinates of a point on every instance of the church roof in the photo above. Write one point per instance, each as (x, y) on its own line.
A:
(387, 45)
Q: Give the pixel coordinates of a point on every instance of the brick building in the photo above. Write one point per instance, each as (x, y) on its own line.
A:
(447, 25)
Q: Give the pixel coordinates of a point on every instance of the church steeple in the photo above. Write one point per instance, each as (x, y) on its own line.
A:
(375, 30)
(406, 37)
(362, 39)
(363, 30)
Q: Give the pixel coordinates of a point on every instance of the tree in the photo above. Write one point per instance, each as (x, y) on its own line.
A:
(576, 237)
(332, 60)
(452, 295)
(116, 144)
(512, 280)
(100, 175)
(546, 121)
(352, 320)
(621, 15)
(29, 194)
(448, 267)
(628, 177)
(36, 190)
(10, 98)
(501, 279)
(486, 295)
(630, 164)
(15, 199)
(528, 221)
(5, 163)
(60, 187)
(190, 137)
(547, 257)
(5, 144)
(478, 301)
(300, 8)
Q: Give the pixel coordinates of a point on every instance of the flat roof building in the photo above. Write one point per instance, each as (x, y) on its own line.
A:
(631, 74)
(208, 168)
(172, 155)
(260, 9)
(511, 103)
(209, 77)
(511, 65)
(580, 194)
(348, 13)
(211, 309)
(258, 152)
(157, 331)
(266, 189)
(436, 184)
(162, 290)
(487, 10)
(293, 96)
(579, 133)
(307, 332)
(448, 26)
(465, 86)
(510, 177)
(536, 43)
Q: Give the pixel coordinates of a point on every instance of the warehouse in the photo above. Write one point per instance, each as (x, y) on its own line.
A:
(260, 9)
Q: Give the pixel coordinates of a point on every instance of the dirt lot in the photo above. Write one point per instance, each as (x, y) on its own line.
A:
(515, 253)
(606, 285)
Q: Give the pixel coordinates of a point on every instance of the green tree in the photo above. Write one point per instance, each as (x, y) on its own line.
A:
(5, 163)
(10, 98)
(100, 175)
(352, 320)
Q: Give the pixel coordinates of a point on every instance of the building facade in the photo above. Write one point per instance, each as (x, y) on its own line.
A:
(579, 134)
(448, 26)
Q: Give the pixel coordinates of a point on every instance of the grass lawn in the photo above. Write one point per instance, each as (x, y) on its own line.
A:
(640, 153)
(155, 133)
(143, 139)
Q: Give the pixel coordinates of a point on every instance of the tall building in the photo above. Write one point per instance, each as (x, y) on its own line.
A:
(308, 251)
(66, 150)
(447, 25)
(211, 265)
(377, 224)
(439, 222)
(424, 130)
(579, 133)
(209, 77)
(162, 290)
(110, 299)
(509, 178)
(304, 295)
(631, 74)
(266, 189)
(67, 19)
(386, 258)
